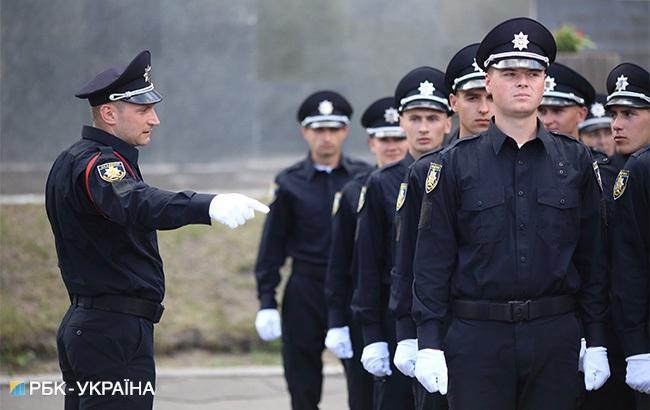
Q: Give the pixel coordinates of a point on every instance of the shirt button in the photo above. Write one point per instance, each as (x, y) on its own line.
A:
(561, 172)
(522, 227)
(520, 162)
(562, 201)
(520, 193)
(561, 164)
(479, 203)
(523, 259)
(78, 332)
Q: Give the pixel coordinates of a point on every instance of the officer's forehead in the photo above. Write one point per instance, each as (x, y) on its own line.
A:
(518, 70)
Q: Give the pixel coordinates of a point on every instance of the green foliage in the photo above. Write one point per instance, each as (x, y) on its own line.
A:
(571, 40)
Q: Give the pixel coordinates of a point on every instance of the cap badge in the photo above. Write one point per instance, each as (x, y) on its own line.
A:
(476, 67)
(147, 74)
(426, 88)
(391, 115)
(597, 110)
(621, 83)
(520, 41)
(325, 107)
(549, 84)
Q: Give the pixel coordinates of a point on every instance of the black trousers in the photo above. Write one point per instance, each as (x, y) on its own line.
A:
(513, 366)
(359, 381)
(96, 346)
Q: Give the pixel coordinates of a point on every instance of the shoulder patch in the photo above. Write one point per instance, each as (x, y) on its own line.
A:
(401, 196)
(336, 203)
(111, 171)
(362, 198)
(597, 173)
(433, 176)
(621, 183)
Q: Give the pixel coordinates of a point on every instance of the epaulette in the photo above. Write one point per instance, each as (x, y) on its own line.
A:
(568, 137)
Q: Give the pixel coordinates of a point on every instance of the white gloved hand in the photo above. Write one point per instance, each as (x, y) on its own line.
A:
(267, 324)
(431, 370)
(338, 342)
(375, 359)
(581, 359)
(233, 210)
(638, 372)
(596, 367)
(405, 355)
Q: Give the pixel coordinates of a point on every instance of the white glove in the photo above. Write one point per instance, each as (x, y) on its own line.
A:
(267, 324)
(431, 370)
(234, 209)
(375, 359)
(338, 342)
(596, 367)
(581, 359)
(638, 372)
(405, 355)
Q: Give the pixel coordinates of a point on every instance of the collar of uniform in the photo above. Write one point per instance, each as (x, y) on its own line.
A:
(103, 137)
(408, 159)
(498, 137)
(310, 169)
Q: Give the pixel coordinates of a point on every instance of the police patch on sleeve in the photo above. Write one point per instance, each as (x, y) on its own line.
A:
(111, 171)
(336, 203)
(362, 199)
(597, 172)
(621, 183)
(432, 177)
(401, 196)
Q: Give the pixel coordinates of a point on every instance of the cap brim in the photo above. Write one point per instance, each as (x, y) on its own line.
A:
(628, 102)
(557, 102)
(528, 63)
(150, 97)
(471, 85)
(326, 124)
(426, 104)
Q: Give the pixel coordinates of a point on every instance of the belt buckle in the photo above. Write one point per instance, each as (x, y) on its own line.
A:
(519, 310)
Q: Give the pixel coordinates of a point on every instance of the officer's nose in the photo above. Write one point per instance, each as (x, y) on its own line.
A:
(484, 106)
(154, 120)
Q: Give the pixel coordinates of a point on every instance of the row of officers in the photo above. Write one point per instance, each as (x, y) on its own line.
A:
(502, 266)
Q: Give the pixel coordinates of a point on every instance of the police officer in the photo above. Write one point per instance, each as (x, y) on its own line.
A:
(388, 142)
(596, 130)
(473, 106)
(104, 218)
(298, 226)
(629, 103)
(511, 247)
(424, 115)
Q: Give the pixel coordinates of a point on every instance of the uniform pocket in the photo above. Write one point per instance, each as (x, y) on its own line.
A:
(559, 218)
(482, 215)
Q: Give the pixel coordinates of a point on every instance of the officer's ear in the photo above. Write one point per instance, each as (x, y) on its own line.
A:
(488, 80)
(107, 113)
(582, 113)
(453, 100)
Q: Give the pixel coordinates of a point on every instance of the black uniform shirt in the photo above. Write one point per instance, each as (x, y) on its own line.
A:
(342, 268)
(104, 218)
(631, 256)
(509, 223)
(375, 247)
(299, 222)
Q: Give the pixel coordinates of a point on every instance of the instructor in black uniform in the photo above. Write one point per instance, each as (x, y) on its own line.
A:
(104, 218)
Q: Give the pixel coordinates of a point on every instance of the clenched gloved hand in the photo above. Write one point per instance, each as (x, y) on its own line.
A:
(233, 210)
(596, 367)
(375, 359)
(638, 372)
(405, 355)
(267, 324)
(431, 370)
(338, 342)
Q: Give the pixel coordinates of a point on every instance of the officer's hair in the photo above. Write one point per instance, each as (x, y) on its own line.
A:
(95, 111)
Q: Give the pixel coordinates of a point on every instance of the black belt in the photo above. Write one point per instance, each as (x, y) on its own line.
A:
(121, 304)
(514, 310)
(309, 269)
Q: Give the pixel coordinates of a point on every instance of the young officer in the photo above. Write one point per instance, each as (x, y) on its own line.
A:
(424, 116)
(596, 130)
(511, 248)
(387, 142)
(298, 226)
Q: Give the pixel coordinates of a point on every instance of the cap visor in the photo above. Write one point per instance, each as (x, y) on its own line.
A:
(557, 102)
(518, 63)
(427, 104)
(471, 85)
(628, 102)
(326, 124)
(150, 97)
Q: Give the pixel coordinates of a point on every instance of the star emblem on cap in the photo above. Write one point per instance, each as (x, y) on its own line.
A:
(391, 115)
(520, 41)
(426, 88)
(325, 107)
(549, 84)
(597, 110)
(147, 74)
(621, 83)
(476, 67)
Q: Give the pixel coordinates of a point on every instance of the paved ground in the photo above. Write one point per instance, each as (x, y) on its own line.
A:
(241, 388)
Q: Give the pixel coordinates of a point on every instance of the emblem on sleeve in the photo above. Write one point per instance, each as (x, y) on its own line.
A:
(621, 183)
(401, 196)
(336, 203)
(362, 199)
(111, 171)
(432, 177)
(597, 173)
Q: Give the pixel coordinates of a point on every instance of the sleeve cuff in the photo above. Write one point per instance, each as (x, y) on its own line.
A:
(405, 329)
(595, 334)
(430, 335)
(267, 301)
(336, 318)
(635, 342)
(199, 209)
(372, 333)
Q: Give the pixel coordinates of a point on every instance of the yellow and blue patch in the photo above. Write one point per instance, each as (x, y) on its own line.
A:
(111, 171)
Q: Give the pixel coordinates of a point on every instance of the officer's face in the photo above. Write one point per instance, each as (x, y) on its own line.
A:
(388, 149)
(135, 122)
(516, 92)
(325, 142)
(600, 139)
(424, 128)
(564, 120)
(474, 109)
(631, 128)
